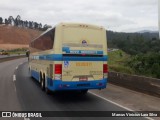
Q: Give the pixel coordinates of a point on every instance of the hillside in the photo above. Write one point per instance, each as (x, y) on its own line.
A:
(12, 37)
(117, 62)
(145, 35)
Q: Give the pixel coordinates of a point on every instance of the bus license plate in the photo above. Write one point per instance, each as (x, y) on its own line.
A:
(83, 78)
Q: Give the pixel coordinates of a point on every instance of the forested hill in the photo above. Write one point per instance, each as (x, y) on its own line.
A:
(143, 48)
(134, 43)
(131, 36)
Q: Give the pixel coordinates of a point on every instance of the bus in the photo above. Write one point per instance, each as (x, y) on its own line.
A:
(70, 56)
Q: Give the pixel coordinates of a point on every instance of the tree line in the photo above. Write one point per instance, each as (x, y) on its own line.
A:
(134, 43)
(23, 23)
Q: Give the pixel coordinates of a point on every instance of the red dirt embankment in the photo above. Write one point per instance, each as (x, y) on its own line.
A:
(16, 37)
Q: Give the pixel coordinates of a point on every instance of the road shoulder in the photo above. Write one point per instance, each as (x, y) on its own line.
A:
(128, 98)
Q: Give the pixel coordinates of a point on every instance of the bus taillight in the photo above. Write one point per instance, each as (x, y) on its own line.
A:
(58, 69)
(105, 68)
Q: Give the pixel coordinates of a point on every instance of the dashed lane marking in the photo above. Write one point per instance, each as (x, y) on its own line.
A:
(15, 88)
(14, 78)
(16, 67)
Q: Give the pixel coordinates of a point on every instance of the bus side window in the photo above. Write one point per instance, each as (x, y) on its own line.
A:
(52, 36)
(46, 41)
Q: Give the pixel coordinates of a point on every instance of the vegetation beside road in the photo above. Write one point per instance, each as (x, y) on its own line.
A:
(146, 64)
(117, 62)
(18, 51)
(141, 54)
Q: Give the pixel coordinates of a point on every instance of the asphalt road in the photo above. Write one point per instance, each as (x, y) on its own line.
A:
(22, 93)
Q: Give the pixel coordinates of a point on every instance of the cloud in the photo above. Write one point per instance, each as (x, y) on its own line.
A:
(115, 15)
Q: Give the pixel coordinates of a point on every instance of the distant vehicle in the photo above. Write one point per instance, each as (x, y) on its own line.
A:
(4, 53)
(70, 57)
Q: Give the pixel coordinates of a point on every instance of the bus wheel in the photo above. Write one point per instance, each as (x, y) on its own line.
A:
(47, 91)
(84, 92)
(42, 84)
(30, 74)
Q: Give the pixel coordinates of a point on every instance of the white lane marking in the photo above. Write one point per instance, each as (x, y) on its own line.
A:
(15, 88)
(14, 78)
(111, 101)
(16, 67)
(149, 118)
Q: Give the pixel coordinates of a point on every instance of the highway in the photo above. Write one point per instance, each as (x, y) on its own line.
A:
(19, 92)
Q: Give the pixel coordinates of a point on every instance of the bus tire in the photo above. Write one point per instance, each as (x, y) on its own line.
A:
(42, 83)
(30, 73)
(84, 91)
(46, 88)
(47, 91)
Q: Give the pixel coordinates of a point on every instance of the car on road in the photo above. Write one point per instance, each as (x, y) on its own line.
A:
(4, 52)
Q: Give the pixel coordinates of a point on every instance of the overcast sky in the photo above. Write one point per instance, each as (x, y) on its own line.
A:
(117, 15)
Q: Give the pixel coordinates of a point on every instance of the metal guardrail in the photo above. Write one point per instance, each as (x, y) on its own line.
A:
(142, 84)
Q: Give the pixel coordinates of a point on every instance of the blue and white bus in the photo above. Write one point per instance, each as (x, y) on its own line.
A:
(70, 57)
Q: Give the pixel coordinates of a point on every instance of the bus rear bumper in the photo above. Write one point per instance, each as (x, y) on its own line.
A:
(59, 85)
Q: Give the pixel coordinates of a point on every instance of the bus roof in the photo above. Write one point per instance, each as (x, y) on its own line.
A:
(71, 25)
(79, 24)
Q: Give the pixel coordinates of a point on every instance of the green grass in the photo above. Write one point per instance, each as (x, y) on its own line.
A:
(17, 52)
(117, 62)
